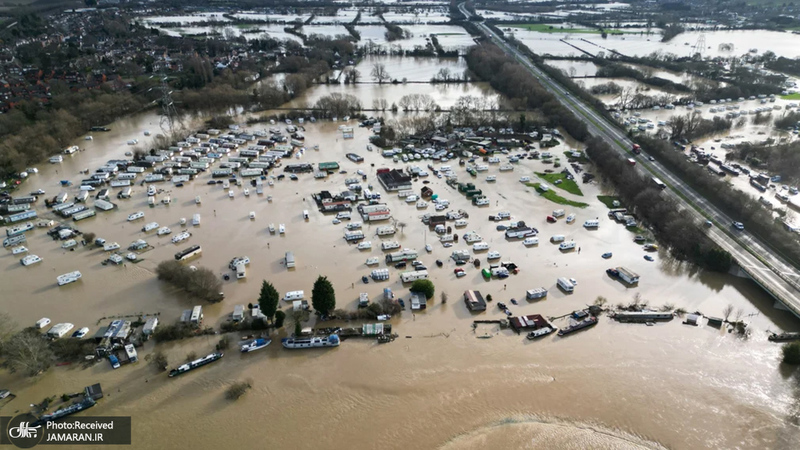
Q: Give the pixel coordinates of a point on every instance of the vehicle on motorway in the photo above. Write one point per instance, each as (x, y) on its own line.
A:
(738, 225)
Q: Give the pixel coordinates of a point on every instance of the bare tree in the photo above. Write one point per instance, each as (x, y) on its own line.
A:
(28, 353)
(727, 312)
(739, 314)
(351, 75)
(379, 73)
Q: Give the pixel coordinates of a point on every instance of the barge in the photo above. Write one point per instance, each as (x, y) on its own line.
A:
(208, 359)
(311, 342)
(586, 323)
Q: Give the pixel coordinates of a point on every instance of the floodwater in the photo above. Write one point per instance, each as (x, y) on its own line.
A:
(437, 386)
(445, 95)
(642, 44)
(411, 68)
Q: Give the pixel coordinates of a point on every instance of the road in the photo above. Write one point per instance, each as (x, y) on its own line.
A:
(769, 270)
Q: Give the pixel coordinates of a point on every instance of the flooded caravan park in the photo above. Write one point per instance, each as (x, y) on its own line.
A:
(614, 386)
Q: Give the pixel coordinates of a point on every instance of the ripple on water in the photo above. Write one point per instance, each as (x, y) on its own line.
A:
(537, 433)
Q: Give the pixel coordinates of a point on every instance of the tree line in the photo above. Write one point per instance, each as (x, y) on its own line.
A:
(491, 64)
(673, 228)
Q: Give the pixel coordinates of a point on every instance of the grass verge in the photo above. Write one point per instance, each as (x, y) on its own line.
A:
(555, 198)
(609, 200)
(795, 96)
(566, 184)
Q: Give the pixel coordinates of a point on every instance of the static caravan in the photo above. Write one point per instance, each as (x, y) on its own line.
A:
(557, 238)
(241, 270)
(593, 223)
(408, 277)
(565, 285)
(289, 260)
(197, 315)
(480, 246)
(293, 295)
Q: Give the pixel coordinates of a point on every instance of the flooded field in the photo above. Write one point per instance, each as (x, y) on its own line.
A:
(410, 68)
(614, 386)
(445, 95)
(642, 44)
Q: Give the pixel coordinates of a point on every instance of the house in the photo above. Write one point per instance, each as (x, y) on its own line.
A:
(474, 301)
(418, 301)
(395, 180)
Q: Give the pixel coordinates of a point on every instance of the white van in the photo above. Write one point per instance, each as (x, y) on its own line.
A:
(557, 238)
(293, 295)
(479, 246)
(592, 223)
(558, 213)
(524, 179)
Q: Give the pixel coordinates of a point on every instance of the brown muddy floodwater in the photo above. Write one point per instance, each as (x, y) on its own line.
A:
(437, 386)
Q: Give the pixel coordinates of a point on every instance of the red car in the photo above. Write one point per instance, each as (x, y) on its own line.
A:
(459, 272)
(551, 219)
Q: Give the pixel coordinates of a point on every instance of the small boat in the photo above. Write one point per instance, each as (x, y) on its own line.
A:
(252, 215)
(544, 331)
(607, 255)
(255, 344)
(281, 229)
(272, 228)
(784, 337)
(197, 200)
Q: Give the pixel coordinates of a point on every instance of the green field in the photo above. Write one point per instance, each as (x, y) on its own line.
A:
(795, 96)
(608, 200)
(555, 28)
(568, 185)
(555, 198)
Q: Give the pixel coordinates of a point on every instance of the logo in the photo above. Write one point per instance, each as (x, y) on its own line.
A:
(22, 433)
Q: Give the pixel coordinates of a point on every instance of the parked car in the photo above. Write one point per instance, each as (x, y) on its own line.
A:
(738, 225)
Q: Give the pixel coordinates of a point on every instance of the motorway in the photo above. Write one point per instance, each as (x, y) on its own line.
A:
(769, 270)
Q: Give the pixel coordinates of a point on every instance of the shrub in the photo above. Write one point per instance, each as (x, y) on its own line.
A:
(280, 316)
(791, 353)
(201, 283)
(236, 390)
(424, 287)
(173, 332)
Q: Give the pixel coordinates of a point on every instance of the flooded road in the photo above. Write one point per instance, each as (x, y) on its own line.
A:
(437, 386)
